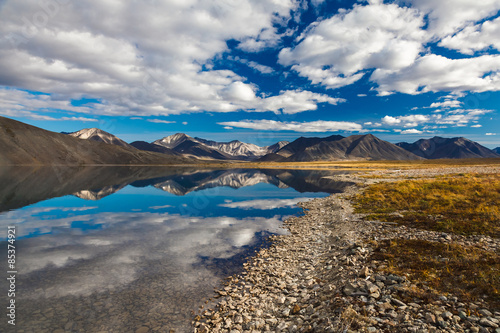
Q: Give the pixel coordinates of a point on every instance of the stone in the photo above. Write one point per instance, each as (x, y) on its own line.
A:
(142, 329)
(365, 272)
(349, 289)
(447, 315)
(430, 318)
(485, 313)
(487, 323)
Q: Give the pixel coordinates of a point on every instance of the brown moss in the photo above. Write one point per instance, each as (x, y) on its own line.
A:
(464, 204)
(468, 272)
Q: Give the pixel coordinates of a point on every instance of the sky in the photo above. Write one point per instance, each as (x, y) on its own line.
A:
(259, 71)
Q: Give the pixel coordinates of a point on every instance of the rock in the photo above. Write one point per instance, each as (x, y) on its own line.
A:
(142, 329)
(349, 289)
(397, 302)
(447, 315)
(430, 318)
(486, 313)
(296, 309)
(365, 272)
(487, 323)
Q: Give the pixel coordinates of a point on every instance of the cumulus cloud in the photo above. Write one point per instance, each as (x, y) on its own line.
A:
(411, 131)
(334, 51)
(433, 73)
(313, 126)
(294, 101)
(156, 66)
(160, 121)
(475, 38)
(446, 17)
(392, 40)
(456, 118)
(446, 104)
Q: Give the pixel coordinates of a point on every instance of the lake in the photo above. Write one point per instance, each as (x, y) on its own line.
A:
(121, 249)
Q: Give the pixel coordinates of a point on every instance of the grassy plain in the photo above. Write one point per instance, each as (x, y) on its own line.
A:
(466, 204)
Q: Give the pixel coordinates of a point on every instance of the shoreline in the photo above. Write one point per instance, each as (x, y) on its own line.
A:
(320, 277)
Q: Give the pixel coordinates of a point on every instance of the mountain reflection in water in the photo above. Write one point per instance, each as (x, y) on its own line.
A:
(145, 247)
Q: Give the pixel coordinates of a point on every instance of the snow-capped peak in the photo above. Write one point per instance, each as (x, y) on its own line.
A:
(173, 141)
(97, 134)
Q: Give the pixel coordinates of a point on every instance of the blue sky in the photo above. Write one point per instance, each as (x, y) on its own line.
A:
(255, 70)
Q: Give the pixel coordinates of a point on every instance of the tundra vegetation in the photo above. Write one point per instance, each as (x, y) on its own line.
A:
(466, 205)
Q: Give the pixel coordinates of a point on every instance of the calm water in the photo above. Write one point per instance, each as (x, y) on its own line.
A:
(117, 249)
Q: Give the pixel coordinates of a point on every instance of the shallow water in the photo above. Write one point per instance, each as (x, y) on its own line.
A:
(119, 249)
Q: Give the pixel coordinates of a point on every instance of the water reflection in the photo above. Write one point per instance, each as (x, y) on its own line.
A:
(145, 247)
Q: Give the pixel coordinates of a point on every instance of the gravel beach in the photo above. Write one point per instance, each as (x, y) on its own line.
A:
(321, 278)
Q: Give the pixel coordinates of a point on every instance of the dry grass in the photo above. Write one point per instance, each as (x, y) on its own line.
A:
(463, 204)
(360, 165)
(467, 272)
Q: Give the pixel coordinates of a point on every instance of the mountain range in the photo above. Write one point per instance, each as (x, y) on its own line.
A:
(23, 144)
(438, 147)
(185, 145)
(332, 148)
(26, 144)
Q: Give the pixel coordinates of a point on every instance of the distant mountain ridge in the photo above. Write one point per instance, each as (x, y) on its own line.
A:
(438, 147)
(23, 144)
(337, 147)
(496, 150)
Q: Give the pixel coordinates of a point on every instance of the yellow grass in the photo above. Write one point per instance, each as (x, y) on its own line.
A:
(463, 204)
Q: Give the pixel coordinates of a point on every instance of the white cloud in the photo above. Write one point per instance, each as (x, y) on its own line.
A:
(436, 73)
(388, 120)
(446, 17)
(475, 38)
(457, 118)
(334, 51)
(411, 131)
(476, 126)
(259, 67)
(446, 104)
(313, 126)
(294, 101)
(491, 134)
(160, 121)
(137, 66)
(460, 117)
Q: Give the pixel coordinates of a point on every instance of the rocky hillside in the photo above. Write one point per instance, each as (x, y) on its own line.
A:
(29, 145)
(337, 147)
(438, 147)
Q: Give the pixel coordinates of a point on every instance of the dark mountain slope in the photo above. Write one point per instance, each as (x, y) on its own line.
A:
(29, 145)
(355, 147)
(143, 145)
(302, 143)
(438, 147)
